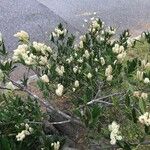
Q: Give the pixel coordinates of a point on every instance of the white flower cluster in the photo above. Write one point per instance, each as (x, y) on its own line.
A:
(120, 51)
(75, 69)
(139, 75)
(115, 133)
(81, 44)
(130, 41)
(89, 75)
(76, 83)
(23, 52)
(69, 60)
(86, 54)
(102, 61)
(111, 30)
(145, 119)
(60, 70)
(43, 60)
(22, 35)
(59, 90)
(58, 32)
(108, 73)
(41, 47)
(145, 64)
(56, 145)
(95, 24)
(140, 94)
(21, 136)
(45, 78)
(146, 80)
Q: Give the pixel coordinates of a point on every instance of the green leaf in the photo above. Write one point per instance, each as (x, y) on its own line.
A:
(134, 115)
(142, 105)
(127, 100)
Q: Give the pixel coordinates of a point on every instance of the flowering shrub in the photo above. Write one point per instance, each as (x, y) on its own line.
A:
(106, 79)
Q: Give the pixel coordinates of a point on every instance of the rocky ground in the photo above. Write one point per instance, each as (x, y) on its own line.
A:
(28, 15)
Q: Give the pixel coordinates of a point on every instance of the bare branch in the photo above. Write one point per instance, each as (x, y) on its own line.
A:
(100, 100)
(45, 103)
(50, 123)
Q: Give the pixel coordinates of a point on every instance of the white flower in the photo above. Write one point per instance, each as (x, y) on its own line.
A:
(60, 70)
(41, 47)
(118, 49)
(82, 37)
(81, 44)
(96, 69)
(75, 69)
(146, 80)
(143, 63)
(89, 75)
(59, 90)
(144, 95)
(130, 42)
(43, 60)
(45, 78)
(20, 136)
(10, 86)
(113, 141)
(145, 119)
(69, 60)
(115, 49)
(121, 56)
(20, 52)
(115, 134)
(137, 94)
(111, 30)
(27, 126)
(147, 66)
(102, 61)
(109, 78)
(22, 35)
(114, 127)
(80, 60)
(76, 83)
(29, 60)
(95, 59)
(56, 145)
(86, 54)
(108, 71)
(75, 54)
(121, 49)
(139, 75)
(73, 89)
(95, 24)
(59, 32)
(30, 129)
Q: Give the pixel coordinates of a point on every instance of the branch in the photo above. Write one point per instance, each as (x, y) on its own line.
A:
(50, 123)
(44, 103)
(100, 100)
